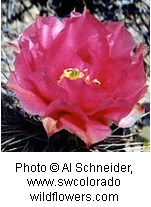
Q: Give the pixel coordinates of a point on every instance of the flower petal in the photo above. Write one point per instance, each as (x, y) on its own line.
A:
(90, 97)
(64, 116)
(59, 108)
(96, 132)
(134, 80)
(27, 98)
(43, 31)
(133, 117)
(50, 125)
(121, 42)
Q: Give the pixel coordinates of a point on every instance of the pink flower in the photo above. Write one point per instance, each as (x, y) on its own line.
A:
(79, 74)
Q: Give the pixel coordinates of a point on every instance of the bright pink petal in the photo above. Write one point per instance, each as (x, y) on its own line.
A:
(110, 111)
(120, 41)
(60, 108)
(70, 124)
(121, 45)
(134, 80)
(71, 118)
(49, 31)
(66, 116)
(88, 99)
(32, 103)
(107, 54)
(34, 76)
(96, 132)
(95, 55)
(43, 32)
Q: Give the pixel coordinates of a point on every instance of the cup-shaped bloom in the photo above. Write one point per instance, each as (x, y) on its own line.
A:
(79, 74)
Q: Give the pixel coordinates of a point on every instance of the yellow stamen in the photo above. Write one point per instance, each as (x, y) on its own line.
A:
(87, 79)
(96, 81)
(71, 74)
(74, 74)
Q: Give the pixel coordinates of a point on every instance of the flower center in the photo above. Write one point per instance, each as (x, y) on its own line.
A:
(74, 74)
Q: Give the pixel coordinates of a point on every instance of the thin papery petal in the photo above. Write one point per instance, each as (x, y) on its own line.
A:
(134, 80)
(65, 115)
(133, 117)
(32, 103)
(84, 21)
(60, 108)
(68, 123)
(96, 132)
(103, 59)
(117, 56)
(34, 75)
(50, 125)
(45, 30)
(140, 52)
(49, 31)
(95, 57)
(90, 97)
(89, 131)
(25, 62)
(120, 41)
(111, 111)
